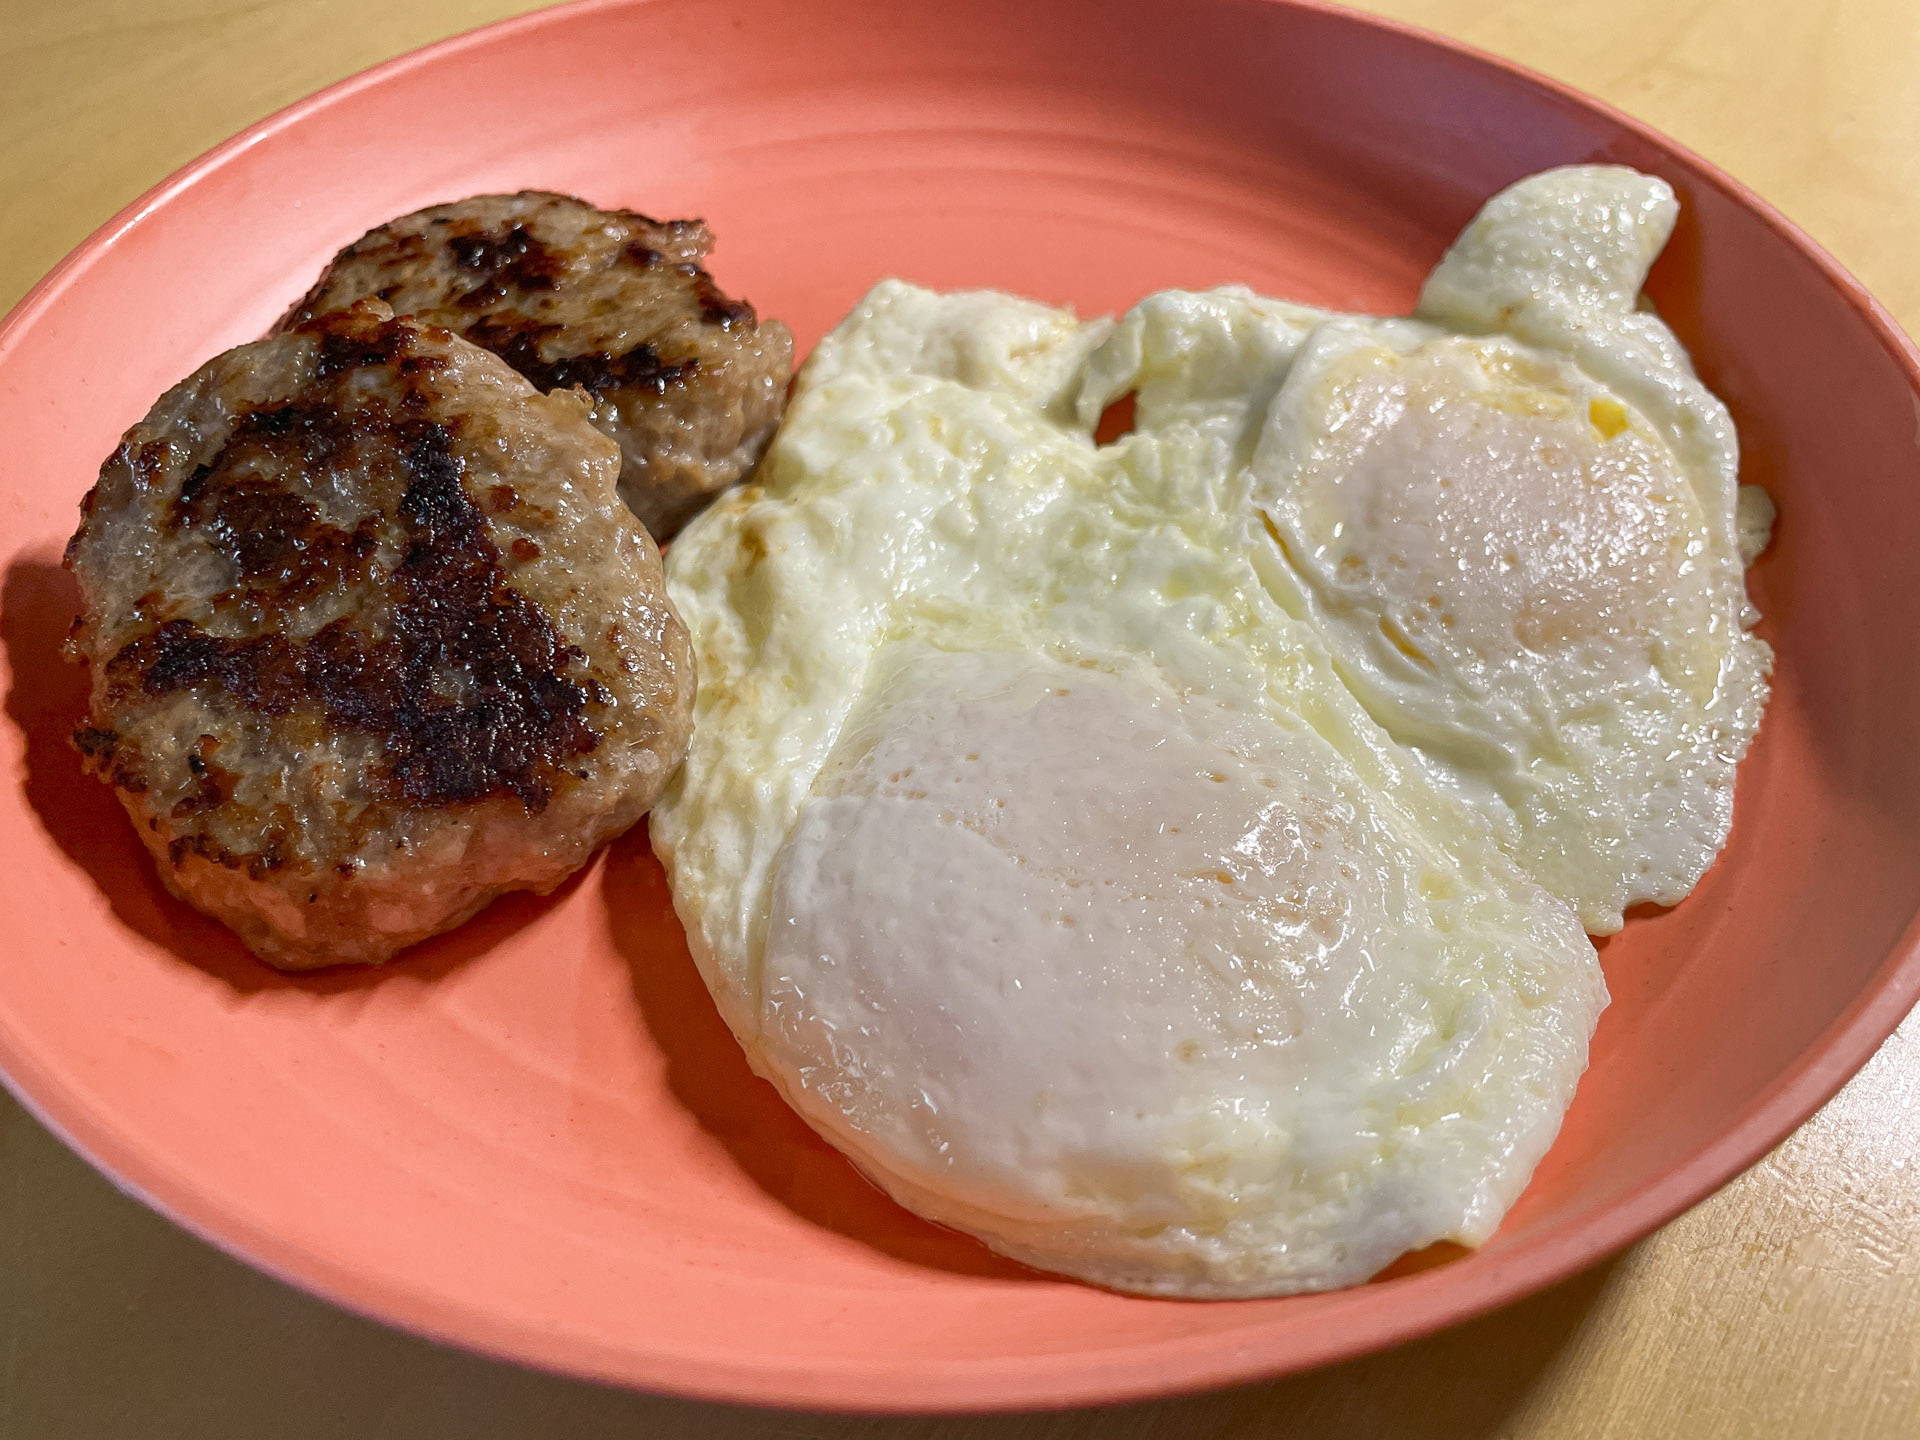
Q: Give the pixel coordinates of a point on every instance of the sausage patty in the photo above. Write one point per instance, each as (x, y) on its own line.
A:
(372, 638)
(684, 378)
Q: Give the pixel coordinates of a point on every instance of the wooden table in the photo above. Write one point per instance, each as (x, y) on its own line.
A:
(1788, 1305)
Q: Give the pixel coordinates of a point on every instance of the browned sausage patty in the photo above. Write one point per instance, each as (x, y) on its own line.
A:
(686, 380)
(372, 638)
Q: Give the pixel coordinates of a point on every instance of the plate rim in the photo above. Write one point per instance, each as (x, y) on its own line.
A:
(1131, 1372)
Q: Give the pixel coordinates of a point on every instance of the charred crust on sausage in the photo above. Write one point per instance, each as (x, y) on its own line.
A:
(468, 686)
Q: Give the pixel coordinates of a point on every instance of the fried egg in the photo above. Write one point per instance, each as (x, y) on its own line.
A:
(1167, 860)
(1152, 986)
(1043, 860)
(1515, 521)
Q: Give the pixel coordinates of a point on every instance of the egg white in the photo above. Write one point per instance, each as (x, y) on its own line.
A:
(965, 674)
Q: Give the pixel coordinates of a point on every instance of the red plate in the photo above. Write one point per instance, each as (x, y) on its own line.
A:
(533, 1136)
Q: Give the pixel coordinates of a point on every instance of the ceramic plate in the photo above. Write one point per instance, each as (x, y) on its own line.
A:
(533, 1136)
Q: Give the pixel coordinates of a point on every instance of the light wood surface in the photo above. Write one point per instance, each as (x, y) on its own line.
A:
(1786, 1306)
